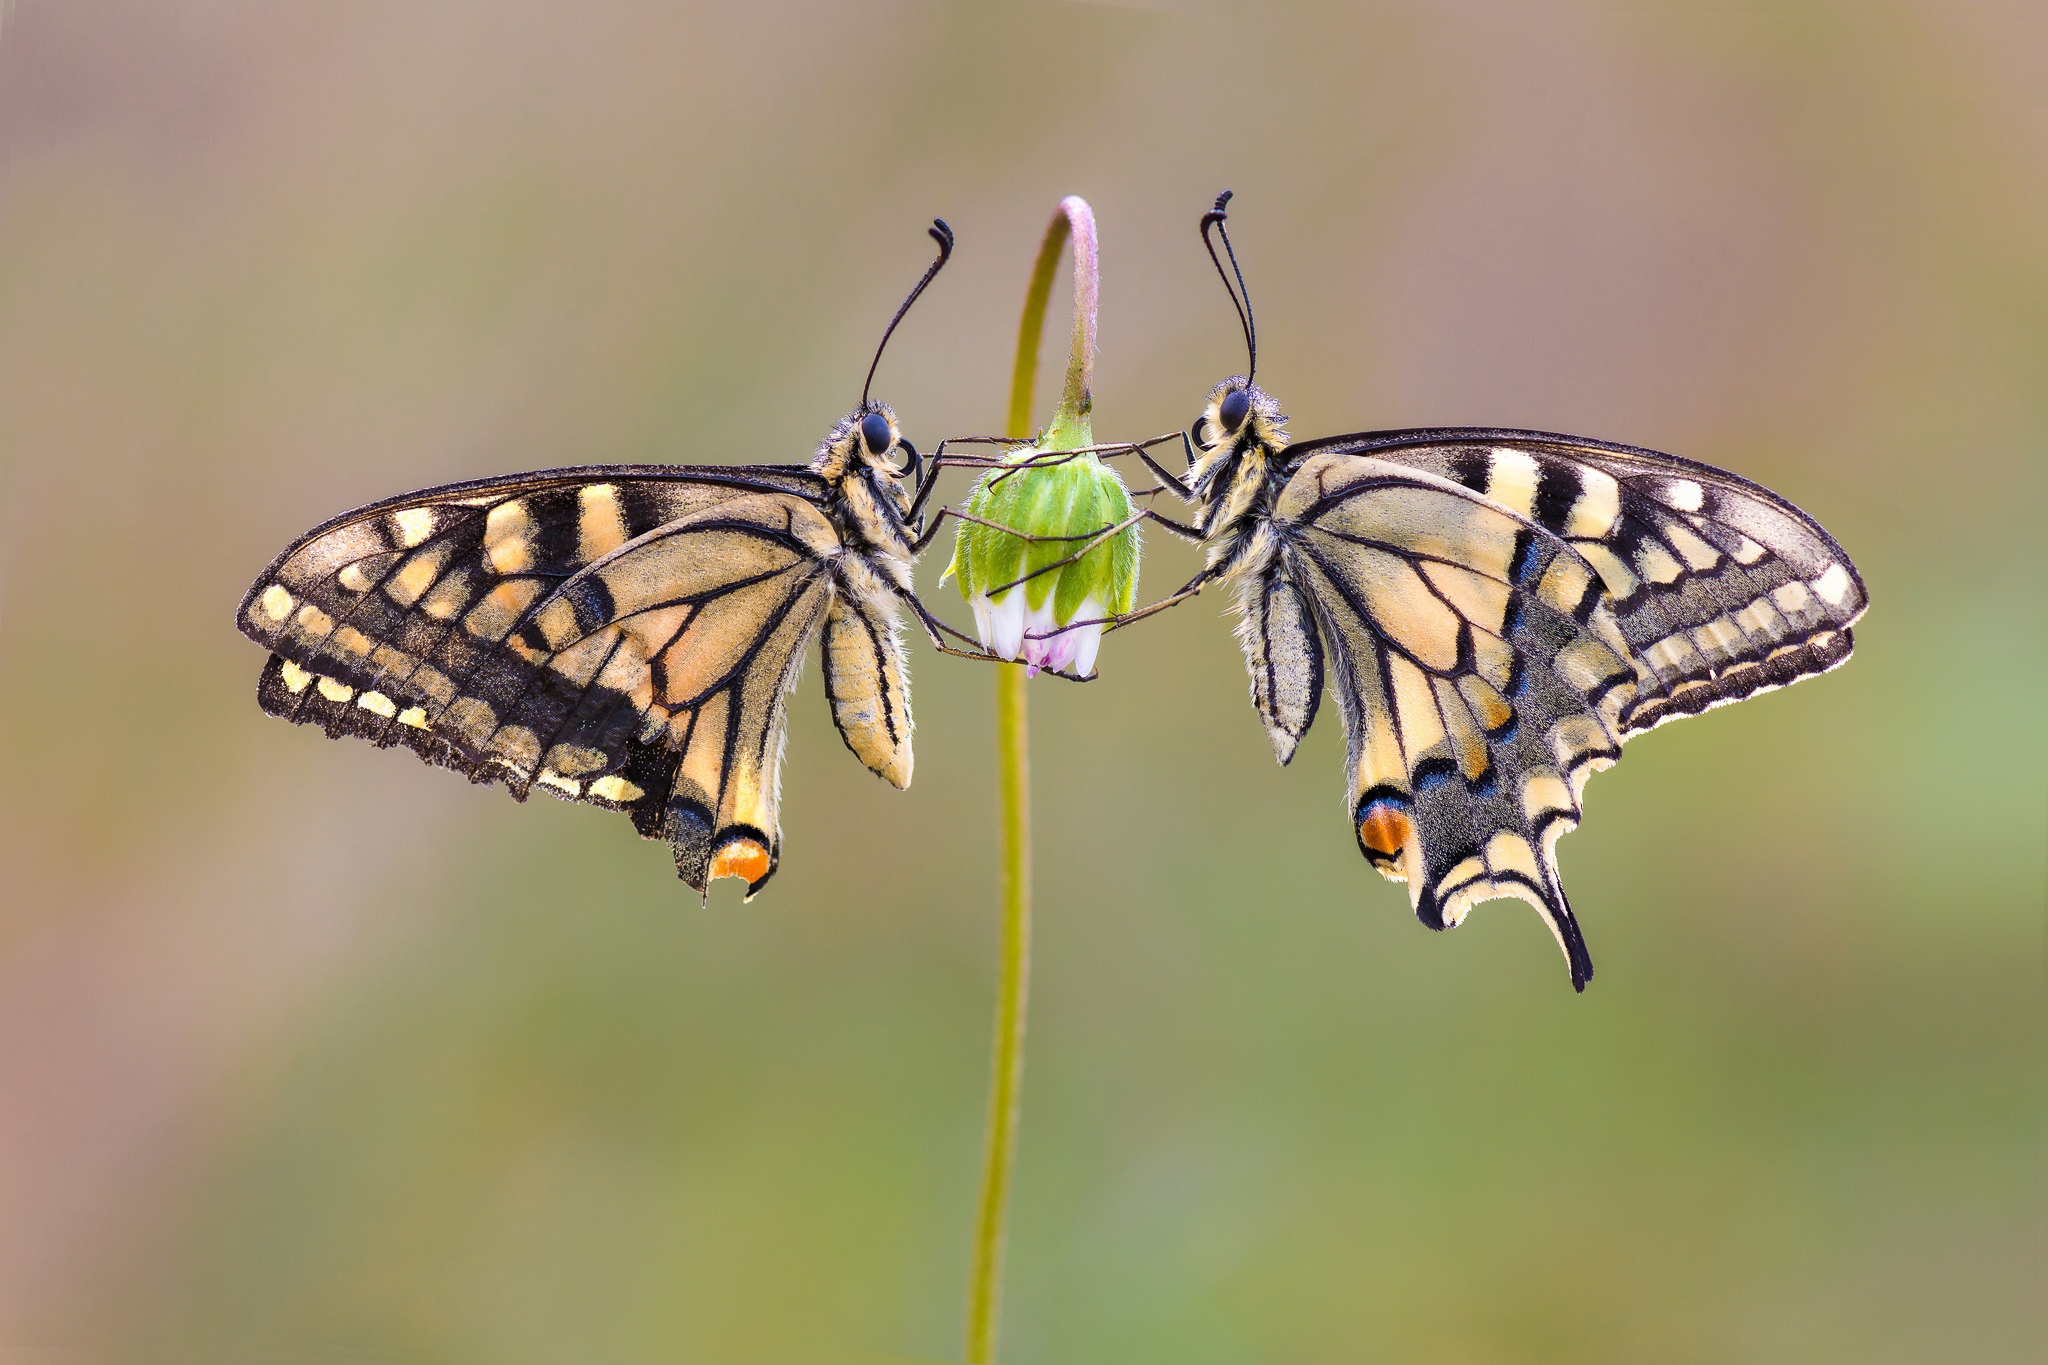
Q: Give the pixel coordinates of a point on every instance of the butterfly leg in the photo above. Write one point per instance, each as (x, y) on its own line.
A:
(1170, 482)
(1093, 539)
(1192, 588)
(939, 517)
(941, 460)
(937, 630)
(1192, 535)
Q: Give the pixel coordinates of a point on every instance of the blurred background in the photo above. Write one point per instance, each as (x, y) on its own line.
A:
(311, 1053)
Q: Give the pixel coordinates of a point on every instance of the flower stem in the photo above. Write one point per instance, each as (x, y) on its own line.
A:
(984, 1295)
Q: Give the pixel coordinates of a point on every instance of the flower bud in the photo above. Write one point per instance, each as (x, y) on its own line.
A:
(1077, 498)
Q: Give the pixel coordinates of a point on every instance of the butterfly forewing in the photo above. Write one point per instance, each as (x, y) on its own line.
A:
(1721, 589)
(623, 636)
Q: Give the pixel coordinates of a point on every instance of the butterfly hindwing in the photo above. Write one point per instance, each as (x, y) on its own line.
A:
(1480, 673)
(624, 636)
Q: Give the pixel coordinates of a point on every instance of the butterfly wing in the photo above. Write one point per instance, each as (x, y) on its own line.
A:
(1480, 674)
(1722, 589)
(625, 636)
(1504, 610)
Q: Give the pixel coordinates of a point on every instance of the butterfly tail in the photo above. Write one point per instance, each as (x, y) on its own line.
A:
(1505, 869)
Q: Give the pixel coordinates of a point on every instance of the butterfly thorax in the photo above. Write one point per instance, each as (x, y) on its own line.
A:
(1237, 475)
(866, 496)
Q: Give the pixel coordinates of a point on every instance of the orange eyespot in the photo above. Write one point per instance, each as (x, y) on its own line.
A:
(1383, 828)
(743, 858)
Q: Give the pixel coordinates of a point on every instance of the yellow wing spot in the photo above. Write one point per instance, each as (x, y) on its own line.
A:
(1542, 793)
(1793, 599)
(1585, 664)
(1672, 654)
(616, 788)
(1615, 574)
(1564, 583)
(353, 578)
(1749, 552)
(1719, 634)
(416, 576)
(1598, 505)
(1402, 604)
(508, 537)
(295, 678)
(600, 522)
(354, 641)
(557, 621)
(1511, 480)
(1579, 740)
(1454, 909)
(472, 718)
(1616, 700)
(449, 596)
(1696, 552)
(492, 618)
(413, 524)
(276, 602)
(1495, 658)
(414, 716)
(1684, 494)
(548, 777)
(574, 760)
(740, 857)
(1655, 563)
(1833, 586)
(377, 704)
(1511, 852)
(314, 621)
(335, 691)
(1758, 619)
(433, 683)
(518, 746)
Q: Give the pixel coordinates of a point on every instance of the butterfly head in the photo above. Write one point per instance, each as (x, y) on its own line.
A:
(871, 465)
(1239, 418)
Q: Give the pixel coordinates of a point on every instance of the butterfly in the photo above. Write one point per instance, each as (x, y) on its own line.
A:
(1497, 611)
(625, 636)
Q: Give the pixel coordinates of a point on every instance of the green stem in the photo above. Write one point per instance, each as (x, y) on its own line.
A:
(984, 1294)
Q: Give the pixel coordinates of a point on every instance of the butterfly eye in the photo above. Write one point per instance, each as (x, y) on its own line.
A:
(1235, 405)
(875, 433)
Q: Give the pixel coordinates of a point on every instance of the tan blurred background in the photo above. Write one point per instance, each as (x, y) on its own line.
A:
(309, 1053)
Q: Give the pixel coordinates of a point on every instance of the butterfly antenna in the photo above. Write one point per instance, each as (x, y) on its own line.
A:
(943, 235)
(1240, 297)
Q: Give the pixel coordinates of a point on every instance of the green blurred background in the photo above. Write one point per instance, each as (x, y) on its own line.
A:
(309, 1053)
